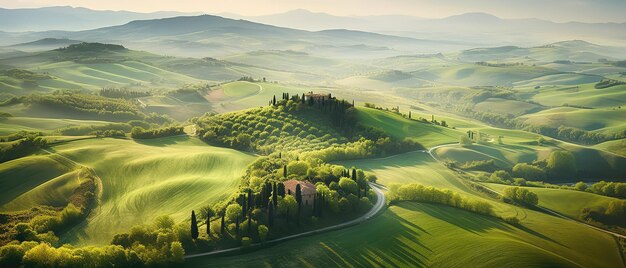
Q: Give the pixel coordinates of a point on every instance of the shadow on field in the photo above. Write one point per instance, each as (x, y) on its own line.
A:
(472, 222)
(162, 142)
(385, 241)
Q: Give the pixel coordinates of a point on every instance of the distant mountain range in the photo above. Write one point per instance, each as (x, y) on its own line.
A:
(71, 18)
(348, 37)
(472, 27)
(214, 36)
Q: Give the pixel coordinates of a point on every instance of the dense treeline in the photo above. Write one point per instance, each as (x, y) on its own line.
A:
(21, 147)
(25, 75)
(613, 214)
(612, 189)
(123, 93)
(91, 47)
(141, 133)
(97, 107)
(154, 245)
(421, 193)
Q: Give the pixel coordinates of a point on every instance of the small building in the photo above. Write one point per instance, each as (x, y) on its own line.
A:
(308, 190)
(317, 96)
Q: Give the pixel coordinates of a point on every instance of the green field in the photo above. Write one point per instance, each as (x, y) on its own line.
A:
(141, 180)
(582, 95)
(607, 120)
(13, 124)
(567, 202)
(424, 235)
(400, 128)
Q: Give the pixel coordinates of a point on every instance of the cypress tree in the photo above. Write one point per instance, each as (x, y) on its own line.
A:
(281, 190)
(298, 214)
(285, 171)
(409, 114)
(354, 174)
(237, 226)
(208, 223)
(250, 198)
(298, 194)
(249, 222)
(302, 100)
(274, 100)
(244, 204)
(270, 214)
(194, 226)
(275, 194)
(222, 225)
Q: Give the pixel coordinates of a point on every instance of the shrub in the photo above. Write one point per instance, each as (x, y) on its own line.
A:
(263, 231)
(521, 195)
(500, 176)
(348, 185)
(246, 241)
(529, 172)
(561, 164)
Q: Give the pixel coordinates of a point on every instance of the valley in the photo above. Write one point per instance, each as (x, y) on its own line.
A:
(174, 141)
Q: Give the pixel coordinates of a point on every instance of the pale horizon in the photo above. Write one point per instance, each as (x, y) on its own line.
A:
(603, 11)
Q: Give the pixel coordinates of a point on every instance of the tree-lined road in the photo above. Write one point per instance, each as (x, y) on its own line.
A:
(380, 203)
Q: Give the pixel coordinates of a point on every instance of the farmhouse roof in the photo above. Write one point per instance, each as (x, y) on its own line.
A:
(306, 187)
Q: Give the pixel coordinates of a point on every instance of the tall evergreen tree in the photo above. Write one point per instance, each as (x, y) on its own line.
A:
(354, 174)
(281, 190)
(270, 214)
(222, 227)
(208, 223)
(298, 194)
(285, 171)
(250, 199)
(237, 226)
(194, 226)
(275, 194)
(249, 222)
(274, 100)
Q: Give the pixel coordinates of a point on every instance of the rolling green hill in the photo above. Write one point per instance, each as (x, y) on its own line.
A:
(19, 176)
(142, 180)
(582, 95)
(399, 127)
(567, 202)
(607, 121)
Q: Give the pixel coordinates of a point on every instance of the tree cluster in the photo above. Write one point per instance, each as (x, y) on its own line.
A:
(140, 133)
(421, 193)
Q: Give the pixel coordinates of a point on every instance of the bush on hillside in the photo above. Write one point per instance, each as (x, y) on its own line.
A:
(421, 193)
(528, 172)
(521, 195)
(140, 133)
(561, 164)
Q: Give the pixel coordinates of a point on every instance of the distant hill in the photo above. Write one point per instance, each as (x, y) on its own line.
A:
(45, 44)
(214, 36)
(73, 18)
(476, 28)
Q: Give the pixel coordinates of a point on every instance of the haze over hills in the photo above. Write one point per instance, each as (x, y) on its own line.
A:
(207, 35)
(73, 18)
(470, 27)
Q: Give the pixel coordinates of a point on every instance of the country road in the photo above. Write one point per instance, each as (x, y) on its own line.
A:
(380, 203)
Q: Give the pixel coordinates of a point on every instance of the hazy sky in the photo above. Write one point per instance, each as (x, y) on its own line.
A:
(555, 10)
